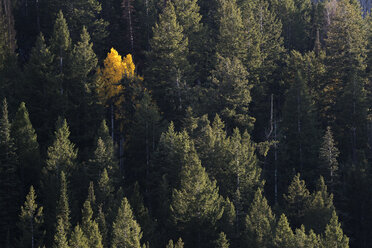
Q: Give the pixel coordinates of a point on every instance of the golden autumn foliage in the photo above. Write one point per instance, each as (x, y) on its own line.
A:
(114, 70)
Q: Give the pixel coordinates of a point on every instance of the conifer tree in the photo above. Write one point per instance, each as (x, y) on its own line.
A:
(283, 236)
(333, 235)
(60, 237)
(320, 209)
(125, 230)
(90, 227)
(27, 147)
(231, 41)
(102, 225)
(259, 222)
(196, 204)
(145, 134)
(9, 177)
(299, 121)
(63, 209)
(231, 98)
(62, 154)
(60, 45)
(168, 62)
(78, 239)
(81, 90)
(42, 89)
(297, 201)
(328, 155)
(222, 241)
(345, 47)
(189, 18)
(31, 221)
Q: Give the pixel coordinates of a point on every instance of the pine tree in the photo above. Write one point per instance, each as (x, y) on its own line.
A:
(81, 91)
(222, 241)
(81, 13)
(168, 62)
(125, 230)
(259, 222)
(31, 221)
(297, 201)
(333, 235)
(78, 239)
(27, 147)
(299, 121)
(328, 155)
(284, 236)
(295, 16)
(9, 177)
(196, 204)
(90, 227)
(60, 45)
(231, 41)
(41, 89)
(102, 225)
(145, 133)
(63, 209)
(231, 98)
(60, 237)
(320, 208)
(345, 47)
(62, 154)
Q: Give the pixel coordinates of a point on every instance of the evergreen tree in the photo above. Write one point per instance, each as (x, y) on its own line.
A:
(90, 227)
(63, 209)
(328, 155)
(27, 147)
(81, 13)
(299, 121)
(41, 89)
(145, 133)
(168, 62)
(320, 209)
(81, 91)
(333, 235)
(284, 236)
(31, 221)
(231, 96)
(259, 222)
(60, 45)
(222, 241)
(102, 225)
(296, 18)
(60, 237)
(125, 230)
(297, 201)
(345, 47)
(62, 154)
(231, 41)
(196, 205)
(9, 177)
(78, 239)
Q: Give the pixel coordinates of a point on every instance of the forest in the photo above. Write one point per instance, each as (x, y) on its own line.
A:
(185, 123)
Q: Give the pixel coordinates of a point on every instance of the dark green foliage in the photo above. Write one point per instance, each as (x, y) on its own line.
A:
(9, 177)
(78, 239)
(328, 155)
(125, 231)
(259, 223)
(30, 222)
(168, 62)
(222, 241)
(63, 209)
(196, 204)
(27, 147)
(284, 236)
(333, 235)
(90, 226)
(297, 201)
(231, 93)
